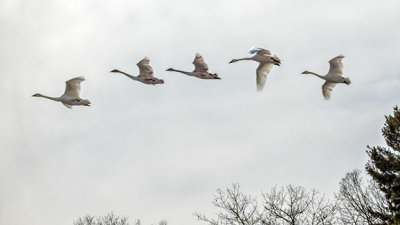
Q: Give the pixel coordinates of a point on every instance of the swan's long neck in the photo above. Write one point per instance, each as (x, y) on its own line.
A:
(315, 74)
(235, 60)
(128, 75)
(48, 97)
(179, 71)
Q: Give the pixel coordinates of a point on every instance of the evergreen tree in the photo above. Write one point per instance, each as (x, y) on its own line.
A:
(384, 167)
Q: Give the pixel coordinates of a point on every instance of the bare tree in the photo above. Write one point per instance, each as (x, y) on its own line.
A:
(163, 222)
(361, 204)
(289, 205)
(295, 205)
(109, 219)
(235, 208)
(323, 211)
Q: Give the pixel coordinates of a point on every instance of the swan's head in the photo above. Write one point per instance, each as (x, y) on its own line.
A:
(306, 72)
(233, 60)
(115, 71)
(37, 95)
(346, 80)
(276, 59)
(85, 102)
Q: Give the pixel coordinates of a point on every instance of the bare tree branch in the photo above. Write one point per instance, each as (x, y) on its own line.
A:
(358, 204)
(109, 219)
(288, 205)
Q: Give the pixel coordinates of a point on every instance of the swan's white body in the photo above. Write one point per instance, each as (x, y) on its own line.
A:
(146, 74)
(200, 69)
(71, 94)
(265, 60)
(333, 77)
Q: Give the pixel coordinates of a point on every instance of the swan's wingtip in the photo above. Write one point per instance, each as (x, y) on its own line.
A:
(254, 49)
(339, 57)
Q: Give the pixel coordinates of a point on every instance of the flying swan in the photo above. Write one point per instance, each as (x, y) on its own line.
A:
(266, 60)
(200, 69)
(71, 94)
(333, 77)
(145, 73)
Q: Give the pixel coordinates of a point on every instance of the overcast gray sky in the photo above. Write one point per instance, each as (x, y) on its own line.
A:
(160, 152)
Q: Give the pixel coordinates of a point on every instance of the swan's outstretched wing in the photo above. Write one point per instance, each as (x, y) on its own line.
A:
(73, 87)
(144, 68)
(262, 73)
(199, 64)
(327, 88)
(336, 66)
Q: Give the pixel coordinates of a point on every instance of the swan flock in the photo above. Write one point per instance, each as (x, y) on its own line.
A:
(264, 57)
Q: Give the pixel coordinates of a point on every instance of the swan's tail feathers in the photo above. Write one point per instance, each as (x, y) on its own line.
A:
(215, 75)
(347, 81)
(254, 50)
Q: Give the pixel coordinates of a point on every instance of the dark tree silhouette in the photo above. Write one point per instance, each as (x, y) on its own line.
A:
(384, 167)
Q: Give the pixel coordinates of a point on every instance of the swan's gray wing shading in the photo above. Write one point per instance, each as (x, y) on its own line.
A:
(336, 66)
(327, 88)
(262, 73)
(73, 87)
(144, 67)
(199, 64)
(264, 52)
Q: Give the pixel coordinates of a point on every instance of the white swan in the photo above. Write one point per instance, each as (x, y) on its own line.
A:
(145, 73)
(266, 61)
(71, 94)
(200, 69)
(333, 77)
